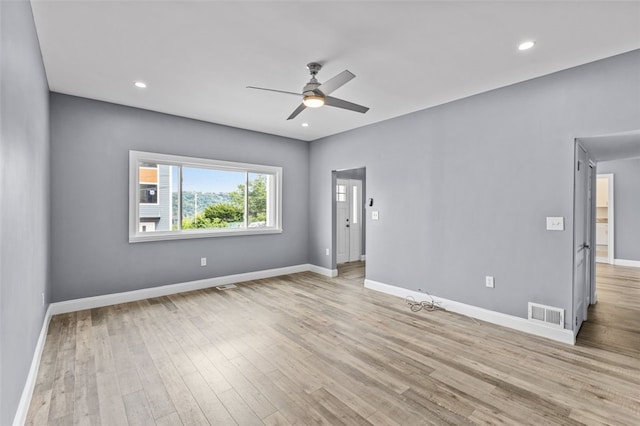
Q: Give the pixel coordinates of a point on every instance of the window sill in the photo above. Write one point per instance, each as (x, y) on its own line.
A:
(184, 235)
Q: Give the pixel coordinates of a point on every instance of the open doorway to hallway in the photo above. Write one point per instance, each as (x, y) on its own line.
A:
(349, 236)
(614, 321)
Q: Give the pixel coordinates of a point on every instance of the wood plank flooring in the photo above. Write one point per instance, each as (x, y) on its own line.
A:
(614, 322)
(304, 349)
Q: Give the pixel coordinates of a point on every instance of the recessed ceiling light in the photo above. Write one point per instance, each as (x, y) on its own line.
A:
(526, 45)
(140, 84)
(305, 124)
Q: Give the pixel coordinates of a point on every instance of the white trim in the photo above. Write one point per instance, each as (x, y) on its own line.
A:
(30, 384)
(331, 273)
(165, 290)
(363, 257)
(505, 320)
(189, 234)
(624, 262)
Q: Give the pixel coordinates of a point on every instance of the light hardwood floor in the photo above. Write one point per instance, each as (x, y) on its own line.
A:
(304, 349)
(614, 322)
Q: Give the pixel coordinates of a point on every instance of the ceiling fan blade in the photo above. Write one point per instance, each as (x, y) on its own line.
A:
(274, 90)
(339, 103)
(338, 81)
(297, 111)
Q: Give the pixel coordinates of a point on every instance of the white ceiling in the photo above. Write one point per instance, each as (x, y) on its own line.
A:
(198, 57)
(613, 147)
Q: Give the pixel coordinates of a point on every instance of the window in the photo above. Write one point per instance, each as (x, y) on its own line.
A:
(182, 197)
(341, 193)
(354, 201)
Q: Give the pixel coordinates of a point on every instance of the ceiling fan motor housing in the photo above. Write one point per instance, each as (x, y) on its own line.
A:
(314, 68)
(311, 88)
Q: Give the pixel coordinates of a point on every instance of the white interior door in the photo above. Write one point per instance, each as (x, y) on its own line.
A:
(582, 264)
(348, 220)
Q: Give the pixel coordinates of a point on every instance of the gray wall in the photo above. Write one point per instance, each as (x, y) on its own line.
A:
(463, 189)
(91, 254)
(626, 192)
(24, 199)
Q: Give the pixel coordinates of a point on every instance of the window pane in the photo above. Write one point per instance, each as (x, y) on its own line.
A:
(354, 199)
(212, 198)
(341, 193)
(148, 194)
(258, 208)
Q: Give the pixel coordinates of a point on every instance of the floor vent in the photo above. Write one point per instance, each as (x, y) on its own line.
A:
(546, 315)
(226, 287)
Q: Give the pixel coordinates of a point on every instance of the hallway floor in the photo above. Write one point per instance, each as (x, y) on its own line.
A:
(614, 322)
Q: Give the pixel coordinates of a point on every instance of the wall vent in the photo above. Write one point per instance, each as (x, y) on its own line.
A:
(546, 315)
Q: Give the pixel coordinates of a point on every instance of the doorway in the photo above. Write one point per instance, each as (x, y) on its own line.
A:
(349, 225)
(613, 286)
(604, 219)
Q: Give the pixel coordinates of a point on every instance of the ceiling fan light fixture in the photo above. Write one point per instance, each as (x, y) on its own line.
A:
(313, 101)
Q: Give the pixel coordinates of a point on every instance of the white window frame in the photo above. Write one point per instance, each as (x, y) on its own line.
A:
(136, 157)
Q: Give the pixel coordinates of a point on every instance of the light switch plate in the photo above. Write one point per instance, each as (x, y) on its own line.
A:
(374, 215)
(489, 282)
(555, 223)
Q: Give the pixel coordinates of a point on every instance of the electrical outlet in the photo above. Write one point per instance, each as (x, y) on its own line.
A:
(203, 261)
(326, 252)
(375, 215)
(489, 282)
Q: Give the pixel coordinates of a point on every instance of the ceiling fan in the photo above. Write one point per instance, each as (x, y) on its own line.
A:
(316, 94)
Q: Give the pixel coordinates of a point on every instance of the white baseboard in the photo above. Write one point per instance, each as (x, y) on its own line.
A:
(363, 257)
(165, 290)
(323, 271)
(30, 384)
(505, 320)
(624, 262)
